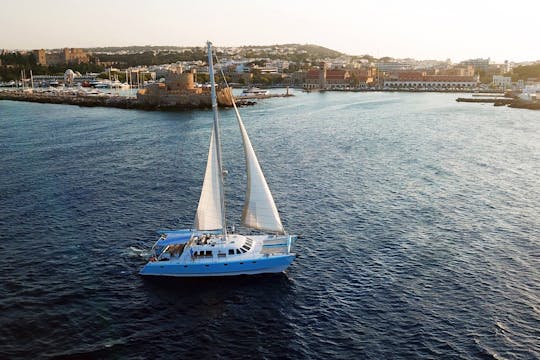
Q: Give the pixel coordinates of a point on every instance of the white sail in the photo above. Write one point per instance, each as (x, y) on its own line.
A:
(260, 211)
(209, 212)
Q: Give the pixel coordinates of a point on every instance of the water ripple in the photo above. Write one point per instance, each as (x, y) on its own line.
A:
(419, 216)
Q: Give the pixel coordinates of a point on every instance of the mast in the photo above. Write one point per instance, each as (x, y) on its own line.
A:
(217, 136)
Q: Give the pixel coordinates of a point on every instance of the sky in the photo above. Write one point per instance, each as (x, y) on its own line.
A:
(456, 30)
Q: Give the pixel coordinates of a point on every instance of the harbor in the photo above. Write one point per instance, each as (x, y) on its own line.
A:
(116, 100)
(177, 91)
(79, 98)
(129, 100)
(430, 165)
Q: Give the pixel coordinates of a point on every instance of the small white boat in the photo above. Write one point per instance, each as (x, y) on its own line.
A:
(255, 91)
(119, 85)
(210, 249)
(100, 84)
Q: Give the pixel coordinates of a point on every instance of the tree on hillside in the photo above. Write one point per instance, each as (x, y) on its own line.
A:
(525, 72)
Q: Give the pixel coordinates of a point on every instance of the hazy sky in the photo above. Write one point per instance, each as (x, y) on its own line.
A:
(434, 29)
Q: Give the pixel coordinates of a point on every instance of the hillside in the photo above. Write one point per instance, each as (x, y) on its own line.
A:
(310, 51)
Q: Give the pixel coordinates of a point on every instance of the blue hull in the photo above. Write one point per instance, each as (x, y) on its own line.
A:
(273, 264)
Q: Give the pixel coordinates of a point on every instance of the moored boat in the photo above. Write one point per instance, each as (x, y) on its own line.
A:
(255, 91)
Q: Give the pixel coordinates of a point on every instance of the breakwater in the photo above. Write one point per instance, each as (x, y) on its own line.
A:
(522, 104)
(111, 100)
(495, 101)
(510, 102)
(87, 100)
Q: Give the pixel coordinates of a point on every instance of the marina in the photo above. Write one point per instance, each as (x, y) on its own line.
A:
(114, 100)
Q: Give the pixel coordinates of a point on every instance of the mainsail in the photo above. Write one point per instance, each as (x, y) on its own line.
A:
(260, 211)
(211, 209)
(209, 213)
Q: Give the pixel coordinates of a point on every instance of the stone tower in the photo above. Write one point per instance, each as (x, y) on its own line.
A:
(322, 76)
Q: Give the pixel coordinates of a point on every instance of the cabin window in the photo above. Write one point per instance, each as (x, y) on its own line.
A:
(243, 250)
(238, 251)
(208, 253)
(231, 251)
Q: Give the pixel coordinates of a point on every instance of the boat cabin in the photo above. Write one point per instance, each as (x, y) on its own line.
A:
(206, 246)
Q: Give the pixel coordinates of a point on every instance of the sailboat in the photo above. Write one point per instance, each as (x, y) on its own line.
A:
(211, 248)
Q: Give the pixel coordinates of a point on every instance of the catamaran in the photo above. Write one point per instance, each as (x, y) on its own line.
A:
(210, 249)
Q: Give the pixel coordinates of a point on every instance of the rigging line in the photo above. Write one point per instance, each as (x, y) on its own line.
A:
(226, 83)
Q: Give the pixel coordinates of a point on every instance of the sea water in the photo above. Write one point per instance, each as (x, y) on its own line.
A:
(419, 220)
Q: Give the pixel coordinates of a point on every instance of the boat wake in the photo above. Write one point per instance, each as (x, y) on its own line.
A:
(136, 252)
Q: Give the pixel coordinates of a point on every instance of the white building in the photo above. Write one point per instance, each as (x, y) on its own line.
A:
(530, 93)
(502, 82)
(429, 85)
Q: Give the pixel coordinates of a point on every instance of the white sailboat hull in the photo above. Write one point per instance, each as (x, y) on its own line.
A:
(268, 265)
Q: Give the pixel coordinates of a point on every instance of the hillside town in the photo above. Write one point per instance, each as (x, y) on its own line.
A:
(307, 67)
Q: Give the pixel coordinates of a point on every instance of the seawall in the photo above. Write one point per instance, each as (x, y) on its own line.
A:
(107, 100)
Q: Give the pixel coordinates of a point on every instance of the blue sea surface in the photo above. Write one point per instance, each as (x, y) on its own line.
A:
(419, 217)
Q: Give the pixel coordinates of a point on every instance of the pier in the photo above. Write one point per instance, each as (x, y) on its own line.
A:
(495, 101)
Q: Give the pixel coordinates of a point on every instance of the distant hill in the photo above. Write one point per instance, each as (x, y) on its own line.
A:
(312, 51)
(271, 51)
(134, 49)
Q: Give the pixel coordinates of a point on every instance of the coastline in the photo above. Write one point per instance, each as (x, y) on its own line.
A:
(107, 100)
(124, 102)
(512, 102)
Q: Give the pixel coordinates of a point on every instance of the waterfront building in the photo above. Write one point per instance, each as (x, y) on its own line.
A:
(364, 77)
(337, 79)
(312, 80)
(323, 79)
(464, 70)
(478, 64)
(421, 81)
(393, 66)
(298, 78)
(502, 82)
(264, 69)
(531, 93)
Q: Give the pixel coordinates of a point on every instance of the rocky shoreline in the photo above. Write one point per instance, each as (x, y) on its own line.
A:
(506, 101)
(104, 100)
